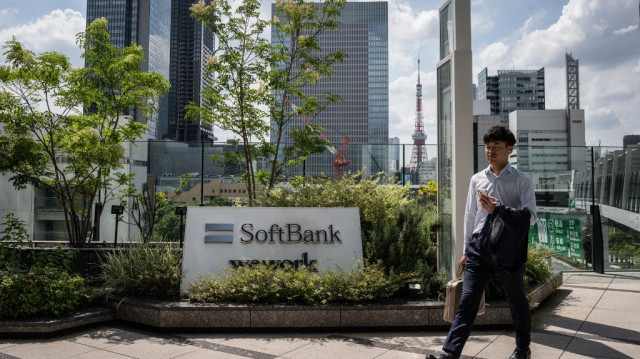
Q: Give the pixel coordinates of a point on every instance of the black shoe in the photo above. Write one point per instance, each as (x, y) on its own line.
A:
(521, 354)
(443, 356)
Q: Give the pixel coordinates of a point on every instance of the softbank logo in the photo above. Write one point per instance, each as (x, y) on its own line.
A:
(218, 233)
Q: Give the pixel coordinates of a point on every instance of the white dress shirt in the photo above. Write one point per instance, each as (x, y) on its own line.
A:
(511, 187)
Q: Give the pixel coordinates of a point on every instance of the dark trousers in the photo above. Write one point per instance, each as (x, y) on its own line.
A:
(477, 275)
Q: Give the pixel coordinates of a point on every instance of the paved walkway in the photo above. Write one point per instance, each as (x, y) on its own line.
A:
(591, 316)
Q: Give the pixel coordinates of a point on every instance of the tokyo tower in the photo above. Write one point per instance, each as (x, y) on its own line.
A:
(419, 137)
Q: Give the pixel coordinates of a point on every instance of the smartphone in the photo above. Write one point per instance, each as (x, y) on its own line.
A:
(483, 192)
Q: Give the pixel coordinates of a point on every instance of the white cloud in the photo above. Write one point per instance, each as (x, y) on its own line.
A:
(410, 33)
(55, 31)
(495, 56)
(8, 12)
(604, 38)
(590, 28)
(482, 22)
(626, 30)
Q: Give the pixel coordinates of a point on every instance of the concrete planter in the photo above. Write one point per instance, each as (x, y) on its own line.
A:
(46, 326)
(212, 317)
(418, 315)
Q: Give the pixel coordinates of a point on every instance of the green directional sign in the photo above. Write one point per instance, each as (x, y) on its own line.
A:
(561, 235)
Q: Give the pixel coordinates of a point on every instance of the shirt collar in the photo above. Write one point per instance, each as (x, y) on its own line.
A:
(506, 170)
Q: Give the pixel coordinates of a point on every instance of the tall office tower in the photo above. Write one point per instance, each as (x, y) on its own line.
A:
(630, 140)
(191, 41)
(148, 24)
(419, 137)
(512, 90)
(362, 81)
(573, 82)
(394, 155)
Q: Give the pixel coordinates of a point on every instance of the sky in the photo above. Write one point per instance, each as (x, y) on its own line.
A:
(506, 34)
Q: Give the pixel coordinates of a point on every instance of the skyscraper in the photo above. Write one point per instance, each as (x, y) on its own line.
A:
(362, 82)
(146, 23)
(191, 41)
(512, 90)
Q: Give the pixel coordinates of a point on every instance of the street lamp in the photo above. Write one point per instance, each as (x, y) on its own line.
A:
(117, 210)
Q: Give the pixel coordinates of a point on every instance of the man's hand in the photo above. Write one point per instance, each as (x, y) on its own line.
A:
(463, 260)
(489, 203)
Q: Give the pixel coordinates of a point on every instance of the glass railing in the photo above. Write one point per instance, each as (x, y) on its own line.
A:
(169, 161)
(568, 182)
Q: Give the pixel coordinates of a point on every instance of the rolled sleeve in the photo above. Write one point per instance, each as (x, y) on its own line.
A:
(470, 214)
(528, 199)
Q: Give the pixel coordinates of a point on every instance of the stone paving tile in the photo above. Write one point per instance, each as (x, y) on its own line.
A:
(153, 348)
(567, 355)
(101, 354)
(549, 344)
(273, 345)
(478, 341)
(613, 324)
(335, 349)
(566, 323)
(105, 337)
(394, 354)
(427, 340)
(583, 297)
(502, 347)
(47, 350)
(208, 354)
(593, 345)
(620, 300)
(6, 344)
(592, 279)
(382, 337)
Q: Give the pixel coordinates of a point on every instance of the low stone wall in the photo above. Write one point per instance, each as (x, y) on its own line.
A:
(45, 326)
(425, 314)
(184, 315)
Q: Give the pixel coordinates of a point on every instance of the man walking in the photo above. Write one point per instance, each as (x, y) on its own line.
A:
(499, 191)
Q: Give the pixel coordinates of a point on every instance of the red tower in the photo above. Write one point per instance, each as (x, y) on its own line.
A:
(419, 137)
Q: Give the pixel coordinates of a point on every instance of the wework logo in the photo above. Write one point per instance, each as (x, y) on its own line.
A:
(218, 233)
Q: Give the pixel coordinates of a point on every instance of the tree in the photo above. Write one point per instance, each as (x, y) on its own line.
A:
(50, 142)
(233, 100)
(297, 61)
(251, 75)
(147, 207)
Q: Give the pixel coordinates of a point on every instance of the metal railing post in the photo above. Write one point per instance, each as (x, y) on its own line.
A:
(596, 238)
(402, 172)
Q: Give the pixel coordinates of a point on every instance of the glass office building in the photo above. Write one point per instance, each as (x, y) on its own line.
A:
(148, 24)
(362, 81)
(512, 90)
(191, 41)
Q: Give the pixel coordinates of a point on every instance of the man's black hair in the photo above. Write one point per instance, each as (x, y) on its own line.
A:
(499, 133)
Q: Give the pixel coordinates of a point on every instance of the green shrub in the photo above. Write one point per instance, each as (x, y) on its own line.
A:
(12, 238)
(536, 272)
(374, 200)
(149, 270)
(38, 283)
(266, 284)
(405, 243)
(43, 292)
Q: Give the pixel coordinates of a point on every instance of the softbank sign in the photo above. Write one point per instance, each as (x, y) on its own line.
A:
(221, 237)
